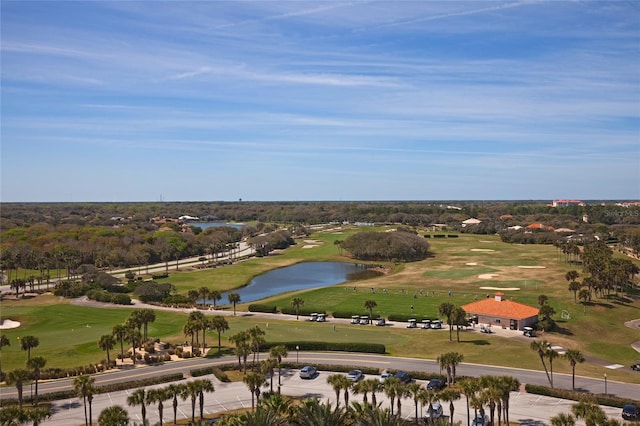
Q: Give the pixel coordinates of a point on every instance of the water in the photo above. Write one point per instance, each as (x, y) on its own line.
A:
(300, 276)
(205, 225)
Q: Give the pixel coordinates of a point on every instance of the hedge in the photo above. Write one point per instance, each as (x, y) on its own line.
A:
(304, 311)
(260, 307)
(345, 314)
(608, 400)
(216, 371)
(373, 348)
(406, 318)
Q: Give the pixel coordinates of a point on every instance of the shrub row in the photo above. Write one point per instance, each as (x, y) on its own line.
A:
(216, 371)
(405, 317)
(159, 276)
(608, 400)
(374, 348)
(260, 307)
(114, 387)
(290, 310)
(347, 314)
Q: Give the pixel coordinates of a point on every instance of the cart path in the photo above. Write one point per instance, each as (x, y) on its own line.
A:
(635, 324)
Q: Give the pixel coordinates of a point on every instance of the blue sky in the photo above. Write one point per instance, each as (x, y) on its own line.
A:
(292, 100)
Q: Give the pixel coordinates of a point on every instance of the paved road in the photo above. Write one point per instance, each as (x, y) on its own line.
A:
(527, 409)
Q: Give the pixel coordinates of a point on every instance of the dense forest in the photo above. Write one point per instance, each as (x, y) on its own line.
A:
(63, 236)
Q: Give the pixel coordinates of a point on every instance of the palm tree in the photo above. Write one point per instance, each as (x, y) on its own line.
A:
(446, 309)
(591, 413)
(541, 346)
(139, 397)
(450, 394)
(314, 413)
(243, 348)
(159, 396)
(296, 303)
(203, 293)
(190, 330)
(469, 387)
(584, 295)
(38, 414)
(84, 386)
(135, 338)
(370, 304)
(106, 343)
(119, 331)
(395, 390)
(27, 343)
(36, 364)
(278, 352)
(335, 380)
(492, 394)
(113, 416)
(267, 367)
(234, 299)
(146, 316)
(563, 419)
(215, 296)
(175, 390)
(4, 341)
(574, 287)
(507, 384)
(414, 389)
(220, 325)
(551, 354)
(574, 357)
(256, 334)
(18, 378)
(203, 386)
(254, 381)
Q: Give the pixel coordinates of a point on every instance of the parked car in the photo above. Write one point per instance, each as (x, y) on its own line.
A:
(355, 375)
(630, 412)
(480, 420)
(435, 414)
(384, 376)
(435, 384)
(308, 372)
(403, 377)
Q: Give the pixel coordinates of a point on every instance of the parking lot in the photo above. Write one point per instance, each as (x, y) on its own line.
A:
(527, 409)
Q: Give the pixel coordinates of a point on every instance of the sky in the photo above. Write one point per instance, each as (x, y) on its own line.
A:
(295, 101)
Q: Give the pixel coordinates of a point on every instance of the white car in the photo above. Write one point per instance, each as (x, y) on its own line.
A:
(355, 375)
(436, 413)
(308, 372)
(384, 376)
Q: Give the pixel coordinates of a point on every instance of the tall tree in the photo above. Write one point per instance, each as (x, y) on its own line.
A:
(336, 380)
(370, 305)
(84, 386)
(450, 394)
(36, 364)
(256, 335)
(4, 341)
(18, 378)
(139, 397)
(215, 296)
(146, 316)
(220, 325)
(119, 331)
(175, 390)
(106, 343)
(234, 299)
(446, 309)
(278, 352)
(203, 293)
(158, 396)
(574, 357)
(540, 347)
(296, 303)
(254, 381)
(469, 387)
(27, 343)
(204, 386)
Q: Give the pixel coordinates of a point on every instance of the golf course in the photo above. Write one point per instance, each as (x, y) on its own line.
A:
(459, 270)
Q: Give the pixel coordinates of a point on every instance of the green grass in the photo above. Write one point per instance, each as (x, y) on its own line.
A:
(65, 339)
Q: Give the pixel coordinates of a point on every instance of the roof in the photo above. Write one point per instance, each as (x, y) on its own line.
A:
(503, 308)
(471, 221)
(540, 226)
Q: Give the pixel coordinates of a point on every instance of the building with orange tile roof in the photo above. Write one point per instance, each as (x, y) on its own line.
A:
(500, 312)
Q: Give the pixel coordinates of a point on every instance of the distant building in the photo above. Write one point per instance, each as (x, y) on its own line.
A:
(506, 216)
(566, 203)
(471, 221)
(504, 313)
(539, 227)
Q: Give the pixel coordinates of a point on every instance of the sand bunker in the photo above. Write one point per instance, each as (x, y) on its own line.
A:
(532, 267)
(471, 263)
(7, 324)
(482, 250)
(500, 288)
(311, 241)
(308, 246)
(487, 276)
(485, 241)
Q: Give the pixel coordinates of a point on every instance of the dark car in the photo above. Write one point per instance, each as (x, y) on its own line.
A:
(403, 377)
(630, 412)
(435, 384)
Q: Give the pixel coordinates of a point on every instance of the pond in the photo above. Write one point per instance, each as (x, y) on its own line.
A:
(300, 276)
(205, 225)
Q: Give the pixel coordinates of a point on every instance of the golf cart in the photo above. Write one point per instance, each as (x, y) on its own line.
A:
(636, 366)
(528, 332)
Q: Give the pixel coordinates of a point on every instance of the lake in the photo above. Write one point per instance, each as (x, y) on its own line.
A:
(300, 276)
(205, 225)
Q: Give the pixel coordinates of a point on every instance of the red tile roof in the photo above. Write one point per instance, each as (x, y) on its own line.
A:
(504, 309)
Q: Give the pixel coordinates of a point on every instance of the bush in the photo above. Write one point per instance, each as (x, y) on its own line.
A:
(304, 311)
(403, 317)
(260, 307)
(374, 348)
(159, 276)
(345, 314)
(609, 400)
